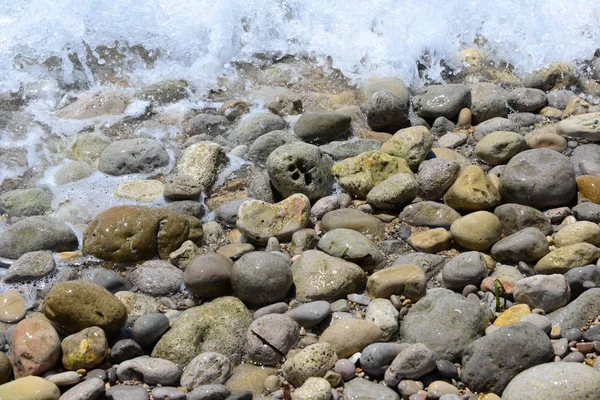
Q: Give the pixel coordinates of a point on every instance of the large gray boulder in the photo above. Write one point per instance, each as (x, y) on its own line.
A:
(539, 178)
(577, 313)
(490, 362)
(443, 101)
(444, 321)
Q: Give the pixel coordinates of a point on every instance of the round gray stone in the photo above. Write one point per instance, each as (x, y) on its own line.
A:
(254, 126)
(435, 176)
(361, 389)
(413, 362)
(208, 368)
(527, 99)
(208, 275)
(261, 278)
(429, 213)
(386, 110)
(263, 146)
(157, 277)
(280, 331)
(443, 101)
(527, 245)
(34, 265)
(352, 246)
(148, 328)
(465, 269)
(548, 292)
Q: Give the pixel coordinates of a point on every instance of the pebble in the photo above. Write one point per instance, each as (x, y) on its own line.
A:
(91, 388)
(312, 361)
(125, 349)
(157, 277)
(412, 362)
(35, 347)
(359, 299)
(310, 314)
(149, 328)
(123, 392)
(358, 389)
(208, 368)
(85, 349)
(152, 370)
(110, 280)
(277, 329)
(68, 378)
(168, 393)
(383, 314)
(477, 231)
(575, 357)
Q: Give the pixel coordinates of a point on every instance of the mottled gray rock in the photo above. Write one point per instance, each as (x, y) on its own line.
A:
(361, 389)
(261, 278)
(253, 127)
(443, 100)
(435, 177)
(411, 363)
(383, 314)
(157, 277)
(538, 178)
(587, 212)
(429, 213)
(130, 156)
(577, 312)
(264, 145)
(393, 192)
(206, 369)
(442, 126)
(310, 314)
(181, 187)
(525, 119)
(559, 98)
(352, 246)
(168, 393)
(280, 331)
(300, 168)
(36, 233)
(548, 292)
(487, 101)
(25, 202)
(529, 244)
(312, 361)
(527, 99)
(349, 148)
(443, 313)
(321, 127)
(494, 125)
(34, 265)
(558, 381)
(490, 362)
(164, 92)
(541, 321)
(90, 389)
(149, 370)
(467, 268)
(259, 187)
(516, 217)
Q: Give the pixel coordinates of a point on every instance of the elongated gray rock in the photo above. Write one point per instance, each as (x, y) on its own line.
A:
(527, 245)
(36, 233)
(577, 313)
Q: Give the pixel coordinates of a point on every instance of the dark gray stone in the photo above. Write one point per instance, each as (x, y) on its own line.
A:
(430, 263)
(90, 389)
(516, 217)
(110, 280)
(148, 328)
(487, 101)
(447, 369)
(377, 357)
(494, 125)
(124, 350)
(527, 99)
(209, 392)
(577, 312)
(227, 212)
(208, 275)
(441, 126)
(540, 178)
(310, 314)
(261, 278)
(36, 233)
(525, 119)
(208, 124)
(386, 111)
(253, 127)
(490, 362)
(277, 308)
(585, 152)
(413, 362)
(443, 101)
(130, 156)
(529, 244)
(587, 212)
(467, 268)
(263, 146)
(576, 277)
(168, 393)
(259, 187)
(321, 127)
(448, 315)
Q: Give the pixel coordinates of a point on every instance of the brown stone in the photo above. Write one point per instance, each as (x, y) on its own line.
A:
(547, 140)
(12, 306)
(348, 336)
(588, 186)
(431, 241)
(132, 233)
(512, 315)
(35, 347)
(402, 280)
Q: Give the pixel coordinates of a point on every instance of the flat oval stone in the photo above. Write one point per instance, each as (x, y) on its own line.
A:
(29, 388)
(429, 213)
(150, 370)
(90, 389)
(310, 314)
(349, 336)
(354, 219)
(67, 378)
(352, 246)
(12, 306)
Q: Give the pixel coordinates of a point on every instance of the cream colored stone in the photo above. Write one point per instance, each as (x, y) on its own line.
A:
(431, 241)
(402, 280)
(578, 232)
(140, 190)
